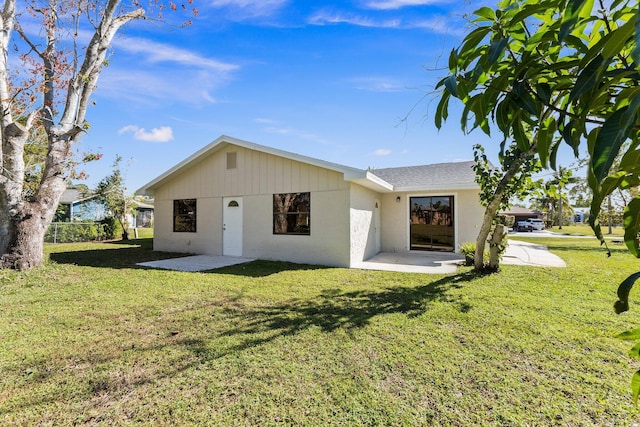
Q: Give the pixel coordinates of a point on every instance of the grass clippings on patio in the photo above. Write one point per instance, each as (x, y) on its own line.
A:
(92, 339)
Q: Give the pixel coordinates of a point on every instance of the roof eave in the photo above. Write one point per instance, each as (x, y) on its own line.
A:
(370, 181)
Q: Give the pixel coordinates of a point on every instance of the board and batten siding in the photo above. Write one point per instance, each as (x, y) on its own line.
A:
(256, 173)
(256, 178)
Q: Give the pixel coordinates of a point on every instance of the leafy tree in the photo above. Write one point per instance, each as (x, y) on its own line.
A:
(497, 187)
(112, 193)
(554, 72)
(46, 81)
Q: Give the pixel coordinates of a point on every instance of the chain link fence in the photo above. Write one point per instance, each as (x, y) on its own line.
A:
(67, 232)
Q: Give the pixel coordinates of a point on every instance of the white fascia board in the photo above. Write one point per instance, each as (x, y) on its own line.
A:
(370, 181)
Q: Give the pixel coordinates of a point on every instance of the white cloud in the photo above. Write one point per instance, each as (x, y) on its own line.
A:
(161, 52)
(247, 9)
(397, 4)
(327, 18)
(437, 24)
(382, 152)
(161, 134)
(377, 84)
(262, 120)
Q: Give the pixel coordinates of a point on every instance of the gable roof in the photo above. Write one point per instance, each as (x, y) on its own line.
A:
(439, 176)
(372, 179)
(73, 195)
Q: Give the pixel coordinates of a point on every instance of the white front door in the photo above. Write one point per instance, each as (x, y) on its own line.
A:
(232, 226)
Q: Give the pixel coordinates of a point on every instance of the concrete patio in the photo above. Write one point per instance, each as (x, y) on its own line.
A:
(517, 253)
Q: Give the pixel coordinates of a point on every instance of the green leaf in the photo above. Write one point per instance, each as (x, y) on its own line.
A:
(635, 53)
(472, 40)
(495, 50)
(570, 18)
(635, 387)
(485, 12)
(631, 335)
(452, 85)
(545, 138)
(632, 226)
(608, 143)
(617, 39)
(442, 111)
(622, 304)
(453, 61)
(544, 92)
(588, 77)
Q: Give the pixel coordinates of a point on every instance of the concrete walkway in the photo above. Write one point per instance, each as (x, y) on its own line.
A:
(196, 262)
(524, 253)
(518, 253)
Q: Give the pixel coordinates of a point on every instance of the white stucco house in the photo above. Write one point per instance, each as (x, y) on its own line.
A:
(238, 198)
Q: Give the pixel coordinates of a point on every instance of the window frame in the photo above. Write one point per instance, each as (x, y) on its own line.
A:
(189, 216)
(293, 211)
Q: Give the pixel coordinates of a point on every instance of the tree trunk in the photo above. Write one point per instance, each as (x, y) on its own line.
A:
(25, 222)
(494, 206)
(496, 246)
(489, 215)
(26, 240)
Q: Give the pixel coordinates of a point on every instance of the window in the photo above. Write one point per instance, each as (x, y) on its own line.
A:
(292, 213)
(184, 216)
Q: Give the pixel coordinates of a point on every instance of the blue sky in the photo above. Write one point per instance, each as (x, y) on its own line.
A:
(349, 82)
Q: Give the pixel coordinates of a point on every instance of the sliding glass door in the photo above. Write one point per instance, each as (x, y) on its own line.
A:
(431, 220)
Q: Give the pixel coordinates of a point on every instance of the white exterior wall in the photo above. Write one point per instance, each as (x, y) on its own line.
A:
(362, 223)
(468, 213)
(257, 177)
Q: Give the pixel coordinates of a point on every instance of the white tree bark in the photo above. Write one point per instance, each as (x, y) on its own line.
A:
(24, 222)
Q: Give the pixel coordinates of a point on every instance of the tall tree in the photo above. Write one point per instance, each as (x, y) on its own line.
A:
(46, 81)
(497, 188)
(553, 72)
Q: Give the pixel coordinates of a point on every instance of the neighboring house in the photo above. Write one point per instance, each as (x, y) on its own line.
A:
(76, 206)
(143, 215)
(581, 215)
(523, 214)
(238, 198)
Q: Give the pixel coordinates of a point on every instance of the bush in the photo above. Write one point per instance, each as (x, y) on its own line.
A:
(111, 228)
(67, 232)
(468, 249)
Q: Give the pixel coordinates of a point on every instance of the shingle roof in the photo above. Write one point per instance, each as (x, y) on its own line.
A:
(73, 195)
(439, 175)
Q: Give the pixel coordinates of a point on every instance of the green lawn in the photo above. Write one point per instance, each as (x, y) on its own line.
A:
(91, 339)
(585, 230)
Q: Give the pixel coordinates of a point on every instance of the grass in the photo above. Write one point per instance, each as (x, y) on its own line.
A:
(585, 230)
(92, 339)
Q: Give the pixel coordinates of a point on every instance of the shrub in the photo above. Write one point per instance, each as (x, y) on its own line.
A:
(111, 228)
(67, 232)
(468, 249)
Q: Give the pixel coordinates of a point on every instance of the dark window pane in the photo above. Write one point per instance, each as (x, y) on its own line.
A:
(184, 216)
(292, 213)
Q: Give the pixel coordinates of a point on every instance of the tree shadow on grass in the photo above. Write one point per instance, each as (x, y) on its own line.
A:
(331, 310)
(252, 326)
(263, 268)
(115, 254)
